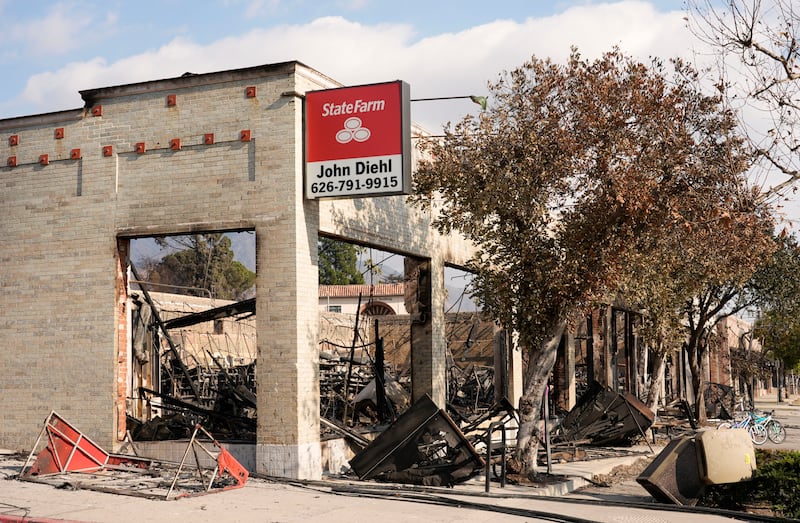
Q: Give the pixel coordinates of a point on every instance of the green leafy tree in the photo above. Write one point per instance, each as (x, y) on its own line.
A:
(778, 326)
(338, 263)
(571, 174)
(203, 262)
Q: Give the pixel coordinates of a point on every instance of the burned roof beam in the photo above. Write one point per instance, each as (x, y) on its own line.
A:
(226, 311)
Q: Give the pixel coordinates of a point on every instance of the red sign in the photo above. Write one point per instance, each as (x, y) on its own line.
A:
(358, 141)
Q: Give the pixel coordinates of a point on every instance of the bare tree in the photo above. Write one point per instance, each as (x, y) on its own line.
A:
(757, 50)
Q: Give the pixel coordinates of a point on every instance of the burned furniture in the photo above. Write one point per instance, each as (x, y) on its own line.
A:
(226, 387)
(604, 417)
(423, 446)
(70, 457)
(674, 476)
(470, 390)
(674, 420)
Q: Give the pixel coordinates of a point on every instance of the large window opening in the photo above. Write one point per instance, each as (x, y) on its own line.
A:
(364, 327)
(192, 335)
(475, 365)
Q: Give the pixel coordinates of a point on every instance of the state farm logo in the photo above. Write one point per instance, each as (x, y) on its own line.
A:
(353, 131)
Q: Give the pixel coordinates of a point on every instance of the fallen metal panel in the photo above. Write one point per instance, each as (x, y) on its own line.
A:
(226, 464)
(605, 417)
(351, 435)
(422, 446)
(69, 450)
(225, 311)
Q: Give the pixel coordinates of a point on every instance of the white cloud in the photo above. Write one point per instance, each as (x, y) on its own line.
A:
(65, 26)
(61, 30)
(444, 65)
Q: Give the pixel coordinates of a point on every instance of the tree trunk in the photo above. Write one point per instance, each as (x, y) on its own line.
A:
(699, 397)
(540, 363)
(656, 379)
(696, 366)
(696, 349)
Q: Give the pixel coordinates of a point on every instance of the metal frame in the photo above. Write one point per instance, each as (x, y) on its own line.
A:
(68, 451)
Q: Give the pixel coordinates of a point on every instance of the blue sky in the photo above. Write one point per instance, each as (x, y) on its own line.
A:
(49, 50)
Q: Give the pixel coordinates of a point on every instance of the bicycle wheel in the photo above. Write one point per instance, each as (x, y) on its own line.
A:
(758, 434)
(775, 431)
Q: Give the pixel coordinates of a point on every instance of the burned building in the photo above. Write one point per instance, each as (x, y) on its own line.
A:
(211, 152)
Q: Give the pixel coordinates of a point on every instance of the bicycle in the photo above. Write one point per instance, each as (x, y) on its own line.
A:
(758, 433)
(775, 431)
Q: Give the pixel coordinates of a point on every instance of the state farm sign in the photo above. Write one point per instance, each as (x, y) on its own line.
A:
(358, 141)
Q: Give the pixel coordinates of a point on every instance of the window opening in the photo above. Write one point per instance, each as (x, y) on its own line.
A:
(193, 335)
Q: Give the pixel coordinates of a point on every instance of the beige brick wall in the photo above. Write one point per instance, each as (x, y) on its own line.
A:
(60, 306)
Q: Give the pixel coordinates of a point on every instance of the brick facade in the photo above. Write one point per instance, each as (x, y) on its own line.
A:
(139, 160)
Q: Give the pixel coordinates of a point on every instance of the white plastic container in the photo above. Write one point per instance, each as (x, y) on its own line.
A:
(725, 456)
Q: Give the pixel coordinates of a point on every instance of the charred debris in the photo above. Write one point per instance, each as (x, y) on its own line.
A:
(364, 399)
(211, 389)
(184, 385)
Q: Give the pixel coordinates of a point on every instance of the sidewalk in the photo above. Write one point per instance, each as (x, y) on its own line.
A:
(335, 500)
(263, 500)
(769, 401)
(338, 499)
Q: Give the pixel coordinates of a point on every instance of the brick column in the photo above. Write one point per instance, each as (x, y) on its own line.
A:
(287, 443)
(425, 303)
(122, 370)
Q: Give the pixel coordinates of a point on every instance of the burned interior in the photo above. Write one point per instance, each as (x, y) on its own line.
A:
(193, 354)
(194, 362)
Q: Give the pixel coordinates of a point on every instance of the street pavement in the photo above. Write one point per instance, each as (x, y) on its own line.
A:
(310, 502)
(573, 497)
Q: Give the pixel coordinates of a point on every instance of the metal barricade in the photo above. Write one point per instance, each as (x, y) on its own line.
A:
(489, 449)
